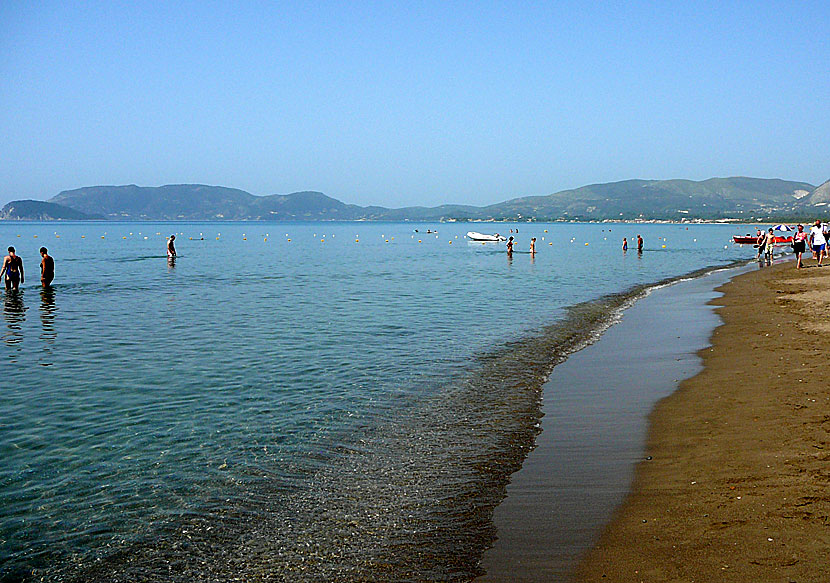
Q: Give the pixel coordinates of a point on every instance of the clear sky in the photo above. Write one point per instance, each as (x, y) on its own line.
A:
(405, 103)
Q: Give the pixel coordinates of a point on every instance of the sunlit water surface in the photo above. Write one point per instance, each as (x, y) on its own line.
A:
(335, 401)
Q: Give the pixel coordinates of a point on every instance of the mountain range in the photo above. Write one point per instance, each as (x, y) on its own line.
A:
(716, 198)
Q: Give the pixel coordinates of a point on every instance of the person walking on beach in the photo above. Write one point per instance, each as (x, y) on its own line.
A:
(760, 243)
(799, 245)
(533, 245)
(817, 242)
(171, 248)
(12, 270)
(769, 246)
(510, 245)
(47, 268)
(625, 244)
(639, 244)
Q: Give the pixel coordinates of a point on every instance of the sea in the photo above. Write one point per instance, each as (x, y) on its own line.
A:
(316, 401)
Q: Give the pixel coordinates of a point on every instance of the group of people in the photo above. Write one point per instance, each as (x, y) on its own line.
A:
(766, 244)
(12, 270)
(639, 244)
(511, 244)
(817, 239)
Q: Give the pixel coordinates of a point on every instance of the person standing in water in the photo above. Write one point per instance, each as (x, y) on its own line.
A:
(510, 245)
(639, 244)
(47, 268)
(533, 245)
(171, 248)
(625, 244)
(12, 270)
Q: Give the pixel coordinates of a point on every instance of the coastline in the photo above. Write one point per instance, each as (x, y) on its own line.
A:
(595, 406)
(736, 487)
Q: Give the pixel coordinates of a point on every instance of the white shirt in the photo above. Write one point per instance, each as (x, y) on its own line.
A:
(818, 236)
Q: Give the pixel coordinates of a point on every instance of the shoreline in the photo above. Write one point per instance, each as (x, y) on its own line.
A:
(736, 487)
(596, 405)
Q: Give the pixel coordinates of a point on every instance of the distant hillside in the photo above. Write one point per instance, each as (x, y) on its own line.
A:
(741, 198)
(202, 202)
(175, 201)
(37, 210)
(659, 199)
(817, 198)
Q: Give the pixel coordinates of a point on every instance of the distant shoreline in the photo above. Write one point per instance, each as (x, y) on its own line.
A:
(736, 222)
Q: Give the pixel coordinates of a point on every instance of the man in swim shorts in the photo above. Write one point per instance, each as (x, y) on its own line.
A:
(47, 268)
(171, 249)
(817, 241)
(769, 246)
(639, 244)
(12, 270)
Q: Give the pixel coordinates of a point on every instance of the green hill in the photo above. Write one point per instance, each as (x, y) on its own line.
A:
(38, 210)
(658, 199)
(175, 201)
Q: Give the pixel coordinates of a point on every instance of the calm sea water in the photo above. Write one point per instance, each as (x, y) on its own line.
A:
(337, 401)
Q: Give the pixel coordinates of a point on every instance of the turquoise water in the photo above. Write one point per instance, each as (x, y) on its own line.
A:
(331, 401)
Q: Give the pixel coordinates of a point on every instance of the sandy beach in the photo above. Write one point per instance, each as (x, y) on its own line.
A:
(735, 483)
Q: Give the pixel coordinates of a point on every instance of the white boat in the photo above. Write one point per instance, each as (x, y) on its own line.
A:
(473, 236)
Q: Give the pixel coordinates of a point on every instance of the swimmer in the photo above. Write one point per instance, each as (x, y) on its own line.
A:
(47, 268)
(625, 244)
(12, 270)
(171, 249)
(510, 245)
(533, 245)
(639, 244)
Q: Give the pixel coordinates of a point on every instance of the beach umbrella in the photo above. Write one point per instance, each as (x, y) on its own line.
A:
(783, 228)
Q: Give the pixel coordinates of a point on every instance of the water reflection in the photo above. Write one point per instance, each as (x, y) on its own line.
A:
(171, 262)
(14, 312)
(47, 320)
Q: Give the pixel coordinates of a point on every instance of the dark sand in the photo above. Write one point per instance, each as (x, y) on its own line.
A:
(593, 434)
(739, 485)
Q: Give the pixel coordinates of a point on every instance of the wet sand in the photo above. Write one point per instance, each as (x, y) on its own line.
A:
(596, 407)
(738, 485)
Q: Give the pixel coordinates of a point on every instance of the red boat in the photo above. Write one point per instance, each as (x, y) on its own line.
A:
(749, 240)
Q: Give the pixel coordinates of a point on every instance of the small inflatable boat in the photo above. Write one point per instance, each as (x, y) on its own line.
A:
(495, 238)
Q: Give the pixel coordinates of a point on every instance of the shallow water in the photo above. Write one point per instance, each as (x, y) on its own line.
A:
(319, 408)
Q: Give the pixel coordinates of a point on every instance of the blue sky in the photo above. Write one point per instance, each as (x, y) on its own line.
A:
(409, 103)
